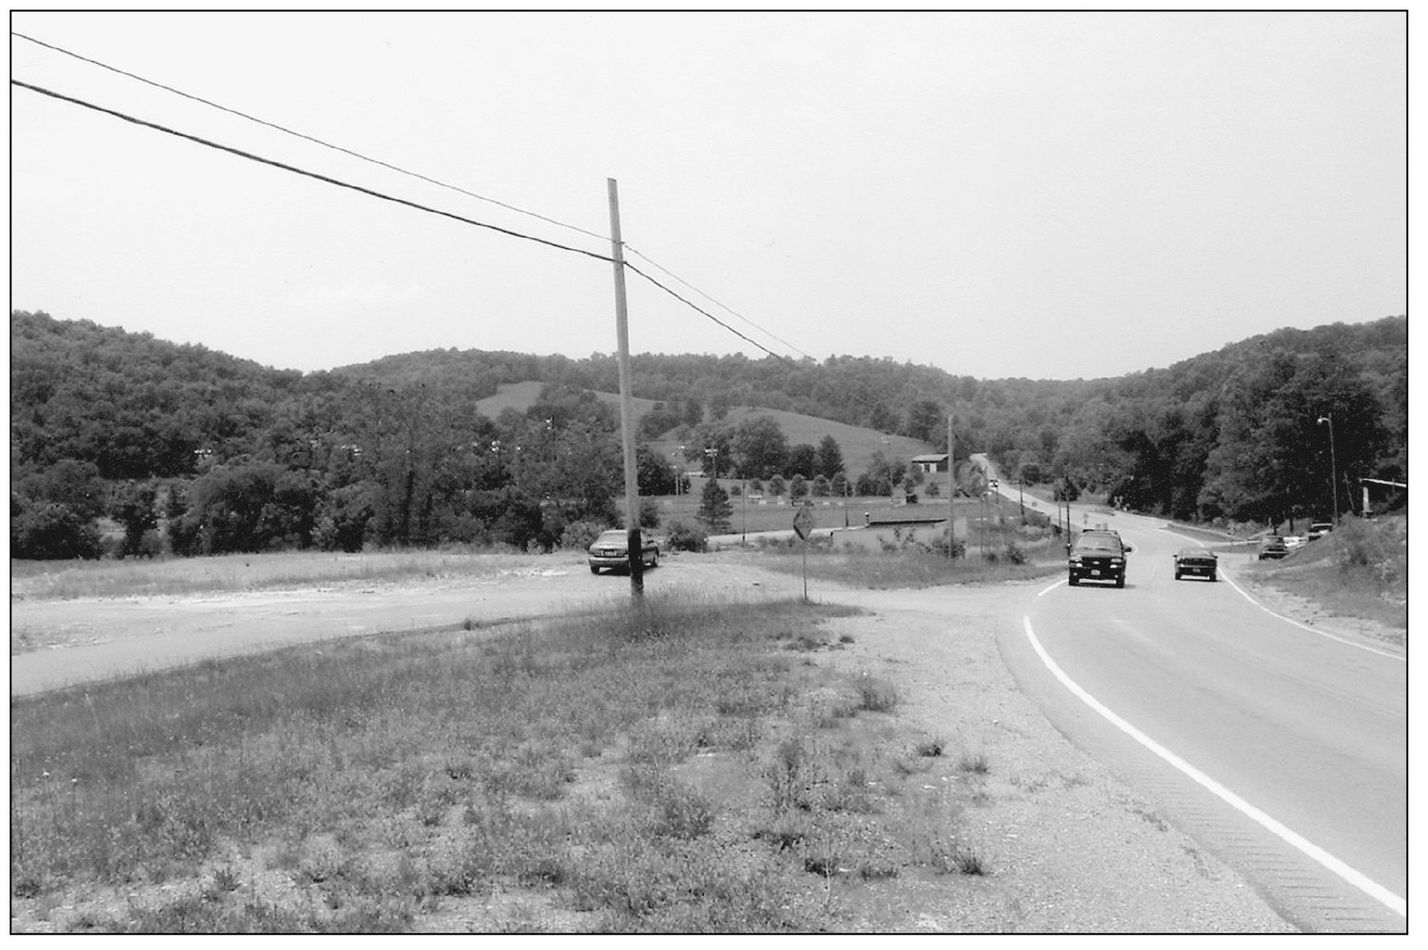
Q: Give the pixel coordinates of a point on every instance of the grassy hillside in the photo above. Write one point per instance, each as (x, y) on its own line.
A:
(858, 444)
(1358, 570)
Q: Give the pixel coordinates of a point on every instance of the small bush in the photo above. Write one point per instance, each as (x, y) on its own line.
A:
(931, 748)
(683, 536)
(968, 861)
(875, 694)
(974, 762)
(579, 535)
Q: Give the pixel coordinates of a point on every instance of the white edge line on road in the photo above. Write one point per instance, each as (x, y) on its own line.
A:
(1050, 589)
(1377, 891)
(1305, 627)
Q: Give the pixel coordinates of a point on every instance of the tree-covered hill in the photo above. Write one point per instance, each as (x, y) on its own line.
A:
(186, 447)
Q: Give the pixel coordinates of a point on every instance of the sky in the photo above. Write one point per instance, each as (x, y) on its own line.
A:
(1042, 195)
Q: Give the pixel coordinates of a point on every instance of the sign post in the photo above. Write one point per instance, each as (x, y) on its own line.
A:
(803, 526)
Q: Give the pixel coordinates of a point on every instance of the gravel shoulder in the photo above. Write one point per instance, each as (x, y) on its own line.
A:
(1070, 847)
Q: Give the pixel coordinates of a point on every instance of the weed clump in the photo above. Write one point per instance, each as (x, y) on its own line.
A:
(875, 694)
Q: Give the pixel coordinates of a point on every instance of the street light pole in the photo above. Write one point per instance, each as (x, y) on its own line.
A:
(1333, 465)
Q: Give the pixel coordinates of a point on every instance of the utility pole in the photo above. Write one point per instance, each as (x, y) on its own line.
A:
(627, 431)
(1334, 466)
(951, 492)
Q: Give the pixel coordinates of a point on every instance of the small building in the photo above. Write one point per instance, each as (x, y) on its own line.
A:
(932, 462)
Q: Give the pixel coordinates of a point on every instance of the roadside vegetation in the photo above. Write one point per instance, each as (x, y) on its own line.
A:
(1358, 570)
(683, 766)
(916, 556)
(276, 570)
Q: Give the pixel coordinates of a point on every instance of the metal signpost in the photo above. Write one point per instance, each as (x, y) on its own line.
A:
(803, 527)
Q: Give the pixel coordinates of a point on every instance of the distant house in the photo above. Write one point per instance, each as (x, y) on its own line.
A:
(935, 462)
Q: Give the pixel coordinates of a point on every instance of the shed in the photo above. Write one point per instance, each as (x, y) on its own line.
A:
(932, 462)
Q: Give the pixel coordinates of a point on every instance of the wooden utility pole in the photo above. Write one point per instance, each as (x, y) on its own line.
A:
(951, 490)
(627, 430)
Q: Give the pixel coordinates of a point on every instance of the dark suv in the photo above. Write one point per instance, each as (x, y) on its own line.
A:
(1098, 556)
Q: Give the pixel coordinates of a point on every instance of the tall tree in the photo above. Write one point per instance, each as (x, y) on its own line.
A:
(715, 510)
(760, 447)
(925, 420)
(830, 457)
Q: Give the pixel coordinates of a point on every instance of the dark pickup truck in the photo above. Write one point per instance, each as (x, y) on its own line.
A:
(1098, 556)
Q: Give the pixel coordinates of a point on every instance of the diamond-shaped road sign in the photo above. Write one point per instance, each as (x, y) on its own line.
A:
(803, 523)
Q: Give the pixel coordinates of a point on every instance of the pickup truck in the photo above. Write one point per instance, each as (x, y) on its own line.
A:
(1098, 556)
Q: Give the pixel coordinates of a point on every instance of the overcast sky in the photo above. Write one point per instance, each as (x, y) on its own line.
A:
(1042, 195)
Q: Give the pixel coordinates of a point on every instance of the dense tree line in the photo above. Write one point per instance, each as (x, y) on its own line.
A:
(220, 454)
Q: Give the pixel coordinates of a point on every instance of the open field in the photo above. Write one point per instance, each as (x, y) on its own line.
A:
(710, 763)
(767, 514)
(857, 444)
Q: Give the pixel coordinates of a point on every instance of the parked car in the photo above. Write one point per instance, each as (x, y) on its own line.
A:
(1319, 529)
(1196, 562)
(1293, 541)
(1098, 556)
(610, 551)
(1272, 547)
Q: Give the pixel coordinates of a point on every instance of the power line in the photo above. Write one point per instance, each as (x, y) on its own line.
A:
(381, 195)
(716, 302)
(309, 138)
(406, 203)
(417, 175)
(301, 171)
(694, 306)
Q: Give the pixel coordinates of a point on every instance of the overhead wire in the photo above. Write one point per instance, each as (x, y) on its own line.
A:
(723, 306)
(412, 204)
(309, 138)
(370, 192)
(421, 177)
(301, 171)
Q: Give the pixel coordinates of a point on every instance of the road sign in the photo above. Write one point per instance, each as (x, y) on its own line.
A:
(803, 523)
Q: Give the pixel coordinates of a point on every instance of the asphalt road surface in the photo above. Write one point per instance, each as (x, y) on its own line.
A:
(1281, 748)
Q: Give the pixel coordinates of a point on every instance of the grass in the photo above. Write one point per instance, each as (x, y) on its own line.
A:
(904, 567)
(673, 768)
(131, 577)
(1358, 570)
(856, 443)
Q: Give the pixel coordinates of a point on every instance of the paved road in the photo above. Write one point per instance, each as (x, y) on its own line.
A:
(1280, 748)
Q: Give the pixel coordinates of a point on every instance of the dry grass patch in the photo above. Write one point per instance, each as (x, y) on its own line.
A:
(672, 768)
(58, 580)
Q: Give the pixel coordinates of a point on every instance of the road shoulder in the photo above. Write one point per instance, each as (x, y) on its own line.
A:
(1071, 848)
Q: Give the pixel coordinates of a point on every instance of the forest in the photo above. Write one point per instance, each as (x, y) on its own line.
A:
(183, 450)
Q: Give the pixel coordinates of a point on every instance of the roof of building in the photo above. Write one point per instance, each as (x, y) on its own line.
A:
(931, 457)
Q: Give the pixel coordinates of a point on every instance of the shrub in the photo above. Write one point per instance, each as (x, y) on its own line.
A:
(684, 536)
(874, 694)
(579, 535)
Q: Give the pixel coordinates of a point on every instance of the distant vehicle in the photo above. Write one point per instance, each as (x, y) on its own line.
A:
(610, 551)
(1273, 548)
(1098, 556)
(1319, 529)
(1292, 541)
(1196, 562)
